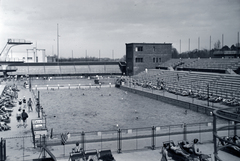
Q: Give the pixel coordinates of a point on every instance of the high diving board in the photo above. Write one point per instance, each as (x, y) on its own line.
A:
(3, 55)
(18, 42)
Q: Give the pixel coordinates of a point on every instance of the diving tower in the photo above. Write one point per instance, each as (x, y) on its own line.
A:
(3, 55)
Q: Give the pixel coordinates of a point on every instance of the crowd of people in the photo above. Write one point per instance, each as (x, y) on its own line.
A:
(95, 155)
(230, 141)
(198, 92)
(183, 151)
(8, 100)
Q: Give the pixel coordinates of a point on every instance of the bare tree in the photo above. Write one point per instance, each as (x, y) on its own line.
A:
(217, 45)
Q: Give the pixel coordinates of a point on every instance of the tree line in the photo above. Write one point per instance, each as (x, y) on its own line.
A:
(205, 53)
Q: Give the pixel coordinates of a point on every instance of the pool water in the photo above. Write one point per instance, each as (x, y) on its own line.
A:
(94, 109)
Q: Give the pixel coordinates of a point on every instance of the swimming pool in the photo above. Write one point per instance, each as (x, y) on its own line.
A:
(93, 109)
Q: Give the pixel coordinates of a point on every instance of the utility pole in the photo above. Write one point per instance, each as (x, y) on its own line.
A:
(238, 46)
(210, 43)
(189, 44)
(198, 43)
(57, 43)
(180, 46)
(113, 54)
(208, 94)
(222, 40)
(99, 55)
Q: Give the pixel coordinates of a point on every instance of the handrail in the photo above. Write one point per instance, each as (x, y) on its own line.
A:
(219, 113)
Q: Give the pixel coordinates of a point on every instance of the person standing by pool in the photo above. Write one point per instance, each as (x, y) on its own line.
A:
(30, 105)
(20, 103)
(24, 118)
(19, 117)
(24, 102)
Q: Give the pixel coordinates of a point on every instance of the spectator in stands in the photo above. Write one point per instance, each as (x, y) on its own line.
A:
(30, 105)
(24, 118)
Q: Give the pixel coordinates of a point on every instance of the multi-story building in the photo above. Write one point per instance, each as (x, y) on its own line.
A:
(141, 56)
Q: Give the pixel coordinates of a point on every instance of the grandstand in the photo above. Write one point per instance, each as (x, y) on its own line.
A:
(219, 65)
(66, 69)
(195, 84)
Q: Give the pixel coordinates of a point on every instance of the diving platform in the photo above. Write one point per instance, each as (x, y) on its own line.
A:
(4, 64)
(18, 42)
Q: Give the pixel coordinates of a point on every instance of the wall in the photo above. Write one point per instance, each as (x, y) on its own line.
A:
(179, 103)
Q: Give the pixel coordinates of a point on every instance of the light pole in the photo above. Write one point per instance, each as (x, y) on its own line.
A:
(208, 94)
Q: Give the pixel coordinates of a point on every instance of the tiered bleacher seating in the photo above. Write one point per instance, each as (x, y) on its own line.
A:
(52, 69)
(82, 69)
(228, 86)
(177, 63)
(195, 84)
(35, 69)
(171, 63)
(96, 69)
(212, 63)
(67, 69)
(112, 69)
(21, 70)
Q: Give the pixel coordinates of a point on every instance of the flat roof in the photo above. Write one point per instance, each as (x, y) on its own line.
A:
(11, 62)
(148, 43)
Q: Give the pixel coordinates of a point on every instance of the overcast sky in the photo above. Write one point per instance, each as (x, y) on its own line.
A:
(87, 26)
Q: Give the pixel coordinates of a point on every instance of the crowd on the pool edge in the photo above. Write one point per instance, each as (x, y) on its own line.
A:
(8, 100)
(195, 92)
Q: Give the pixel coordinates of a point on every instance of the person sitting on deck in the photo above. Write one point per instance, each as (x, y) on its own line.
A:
(236, 140)
(78, 149)
(4, 126)
(4, 116)
(178, 150)
(186, 144)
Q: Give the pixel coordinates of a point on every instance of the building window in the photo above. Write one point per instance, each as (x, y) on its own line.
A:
(160, 59)
(154, 60)
(29, 58)
(139, 48)
(139, 60)
(154, 49)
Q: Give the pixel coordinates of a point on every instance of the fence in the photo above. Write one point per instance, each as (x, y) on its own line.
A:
(121, 140)
(3, 150)
(118, 140)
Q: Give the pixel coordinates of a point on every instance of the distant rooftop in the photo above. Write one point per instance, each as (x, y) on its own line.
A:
(149, 43)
